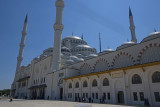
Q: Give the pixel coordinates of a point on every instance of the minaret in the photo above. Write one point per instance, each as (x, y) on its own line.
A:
(132, 27)
(22, 45)
(58, 27)
(100, 42)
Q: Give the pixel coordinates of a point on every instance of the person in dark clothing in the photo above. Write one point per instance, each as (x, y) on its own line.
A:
(89, 99)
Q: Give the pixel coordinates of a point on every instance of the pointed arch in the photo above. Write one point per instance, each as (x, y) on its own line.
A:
(101, 65)
(85, 69)
(149, 53)
(70, 85)
(85, 84)
(156, 77)
(123, 59)
(136, 79)
(94, 83)
(105, 82)
(77, 85)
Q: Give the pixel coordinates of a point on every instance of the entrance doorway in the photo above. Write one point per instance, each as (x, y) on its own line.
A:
(120, 97)
(61, 93)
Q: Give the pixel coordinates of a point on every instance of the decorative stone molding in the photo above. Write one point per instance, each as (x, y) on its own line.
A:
(100, 60)
(85, 64)
(122, 53)
(144, 49)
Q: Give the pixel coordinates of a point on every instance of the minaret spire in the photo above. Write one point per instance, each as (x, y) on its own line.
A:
(22, 45)
(58, 28)
(100, 42)
(130, 12)
(132, 26)
(26, 19)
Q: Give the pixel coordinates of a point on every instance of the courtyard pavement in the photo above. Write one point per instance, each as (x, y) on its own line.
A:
(49, 103)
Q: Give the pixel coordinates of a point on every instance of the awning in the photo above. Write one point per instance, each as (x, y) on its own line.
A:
(38, 86)
(23, 78)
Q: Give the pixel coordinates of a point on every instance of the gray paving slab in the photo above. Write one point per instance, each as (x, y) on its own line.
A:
(50, 103)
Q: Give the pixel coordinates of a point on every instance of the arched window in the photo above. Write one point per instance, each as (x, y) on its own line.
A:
(77, 85)
(85, 84)
(94, 83)
(156, 77)
(136, 79)
(61, 82)
(44, 80)
(105, 82)
(70, 85)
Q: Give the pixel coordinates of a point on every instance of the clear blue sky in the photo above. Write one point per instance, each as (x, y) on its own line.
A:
(110, 17)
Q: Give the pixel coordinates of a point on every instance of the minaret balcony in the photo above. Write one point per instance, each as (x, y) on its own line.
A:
(132, 27)
(19, 58)
(60, 3)
(22, 45)
(24, 33)
(58, 27)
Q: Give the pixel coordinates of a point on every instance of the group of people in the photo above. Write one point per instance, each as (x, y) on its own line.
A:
(89, 100)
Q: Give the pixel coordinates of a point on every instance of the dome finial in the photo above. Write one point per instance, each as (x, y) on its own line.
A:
(155, 30)
(72, 33)
(107, 47)
(82, 36)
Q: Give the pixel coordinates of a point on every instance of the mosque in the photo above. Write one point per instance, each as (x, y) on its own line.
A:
(72, 70)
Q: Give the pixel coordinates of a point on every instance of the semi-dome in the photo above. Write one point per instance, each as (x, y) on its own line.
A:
(153, 35)
(73, 57)
(69, 61)
(65, 49)
(83, 46)
(126, 44)
(92, 55)
(48, 51)
(80, 60)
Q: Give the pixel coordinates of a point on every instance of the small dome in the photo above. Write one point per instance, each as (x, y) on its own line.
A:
(73, 37)
(126, 44)
(83, 46)
(108, 50)
(65, 49)
(153, 35)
